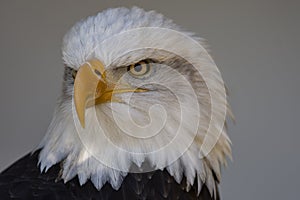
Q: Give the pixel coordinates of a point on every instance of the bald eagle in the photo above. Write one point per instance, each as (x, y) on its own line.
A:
(141, 116)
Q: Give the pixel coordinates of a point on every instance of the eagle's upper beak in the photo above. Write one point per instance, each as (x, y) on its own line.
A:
(91, 87)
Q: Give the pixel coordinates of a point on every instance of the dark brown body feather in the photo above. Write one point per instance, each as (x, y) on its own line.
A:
(23, 180)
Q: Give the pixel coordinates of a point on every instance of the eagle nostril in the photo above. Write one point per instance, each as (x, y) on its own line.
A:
(97, 72)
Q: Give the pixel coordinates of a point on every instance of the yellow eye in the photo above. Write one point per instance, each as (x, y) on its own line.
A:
(139, 69)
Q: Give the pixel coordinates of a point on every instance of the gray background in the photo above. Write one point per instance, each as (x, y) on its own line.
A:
(254, 43)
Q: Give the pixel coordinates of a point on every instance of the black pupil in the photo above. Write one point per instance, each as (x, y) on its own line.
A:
(138, 67)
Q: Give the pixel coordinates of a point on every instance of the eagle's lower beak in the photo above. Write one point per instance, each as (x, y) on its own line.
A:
(89, 87)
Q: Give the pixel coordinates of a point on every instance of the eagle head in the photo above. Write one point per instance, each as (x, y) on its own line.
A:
(139, 94)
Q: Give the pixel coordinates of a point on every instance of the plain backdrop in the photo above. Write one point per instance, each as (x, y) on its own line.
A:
(256, 45)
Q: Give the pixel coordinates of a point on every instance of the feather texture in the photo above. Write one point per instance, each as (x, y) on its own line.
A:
(23, 180)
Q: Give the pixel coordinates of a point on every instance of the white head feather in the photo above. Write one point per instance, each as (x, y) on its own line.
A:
(63, 142)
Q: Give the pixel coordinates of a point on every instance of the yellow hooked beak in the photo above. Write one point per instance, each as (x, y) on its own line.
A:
(91, 87)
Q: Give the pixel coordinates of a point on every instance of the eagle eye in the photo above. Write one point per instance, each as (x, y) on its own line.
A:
(140, 68)
(74, 72)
